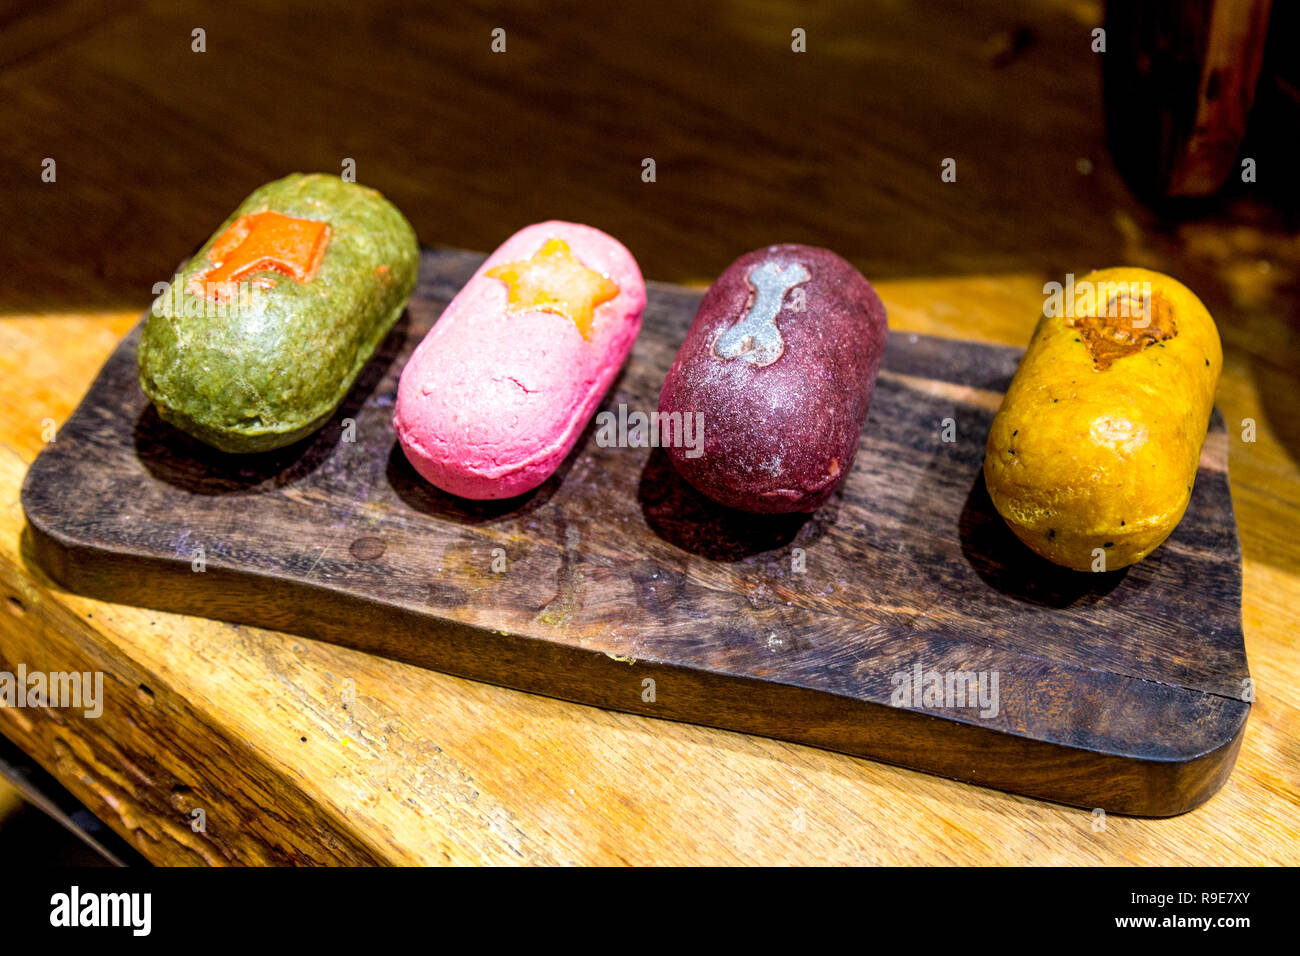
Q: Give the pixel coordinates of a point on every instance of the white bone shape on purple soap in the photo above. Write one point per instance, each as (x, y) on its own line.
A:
(755, 338)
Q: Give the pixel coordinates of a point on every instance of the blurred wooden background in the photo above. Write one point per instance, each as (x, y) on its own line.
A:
(840, 146)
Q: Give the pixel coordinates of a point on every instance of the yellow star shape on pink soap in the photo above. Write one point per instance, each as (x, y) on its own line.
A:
(553, 280)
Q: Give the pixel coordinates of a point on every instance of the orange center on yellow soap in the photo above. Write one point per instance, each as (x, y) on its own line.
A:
(553, 280)
(262, 242)
(1128, 324)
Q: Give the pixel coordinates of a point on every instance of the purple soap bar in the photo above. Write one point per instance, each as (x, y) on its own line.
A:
(780, 361)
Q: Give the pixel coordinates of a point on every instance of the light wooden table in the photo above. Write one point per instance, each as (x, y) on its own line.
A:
(251, 726)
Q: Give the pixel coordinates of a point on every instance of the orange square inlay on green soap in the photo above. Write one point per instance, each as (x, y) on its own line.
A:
(262, 242)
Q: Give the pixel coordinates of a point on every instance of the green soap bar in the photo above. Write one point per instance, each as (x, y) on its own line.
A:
(269, 363)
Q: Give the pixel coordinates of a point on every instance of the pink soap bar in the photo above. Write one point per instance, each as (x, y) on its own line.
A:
(498, 392)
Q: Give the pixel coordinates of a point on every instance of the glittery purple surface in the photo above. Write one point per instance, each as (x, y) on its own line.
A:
(780, 437)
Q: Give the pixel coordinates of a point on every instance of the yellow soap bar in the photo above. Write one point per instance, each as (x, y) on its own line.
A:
(1092, 457)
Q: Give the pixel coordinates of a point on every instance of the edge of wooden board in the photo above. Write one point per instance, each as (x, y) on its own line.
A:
(1123, 783)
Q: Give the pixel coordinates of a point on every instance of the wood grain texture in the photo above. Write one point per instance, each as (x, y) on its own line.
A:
(147, 164)
(1121, 690)
(469, 144)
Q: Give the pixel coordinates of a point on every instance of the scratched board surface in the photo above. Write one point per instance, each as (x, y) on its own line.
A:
(616, 584)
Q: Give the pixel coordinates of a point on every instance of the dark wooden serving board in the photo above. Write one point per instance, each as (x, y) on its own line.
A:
(1121, 690)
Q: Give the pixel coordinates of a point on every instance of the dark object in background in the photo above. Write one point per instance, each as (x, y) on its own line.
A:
(1180, 79)
(52, 828)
